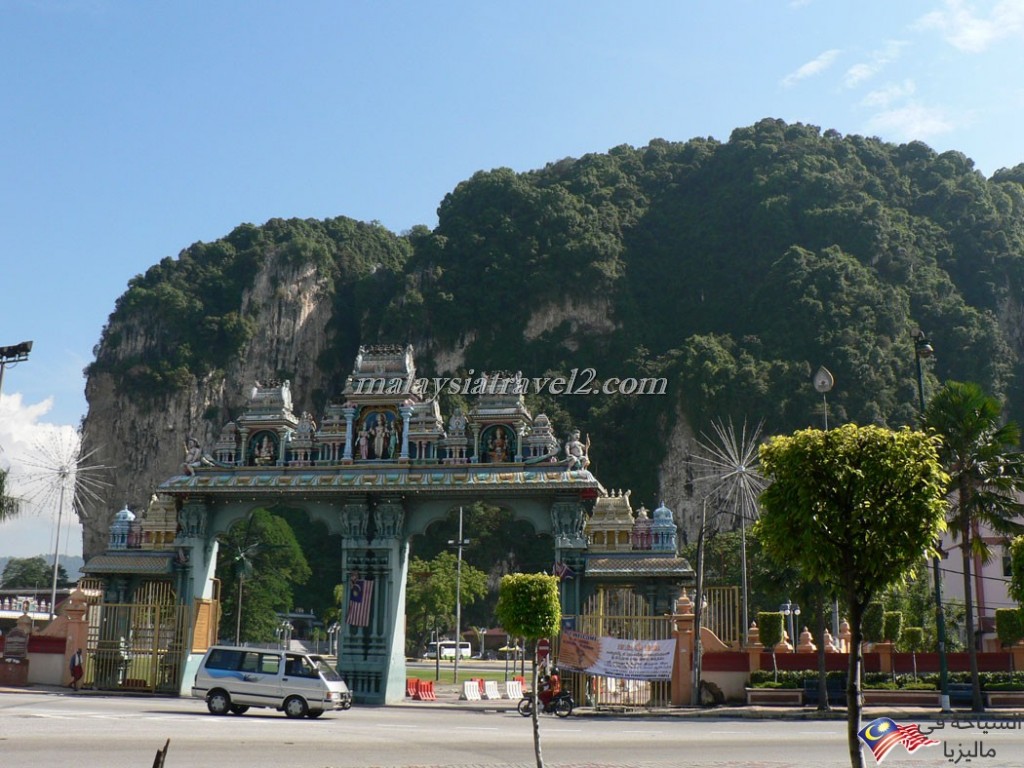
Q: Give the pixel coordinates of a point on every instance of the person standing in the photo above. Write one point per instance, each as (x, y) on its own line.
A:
(76, 669)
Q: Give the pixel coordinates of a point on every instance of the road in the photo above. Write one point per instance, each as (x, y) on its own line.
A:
(97, 731)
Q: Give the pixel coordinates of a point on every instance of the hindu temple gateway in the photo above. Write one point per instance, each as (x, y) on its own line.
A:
(381, 466)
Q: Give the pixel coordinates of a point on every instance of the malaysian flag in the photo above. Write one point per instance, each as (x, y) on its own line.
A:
(360, 595)
(562, 571)
(883, 734)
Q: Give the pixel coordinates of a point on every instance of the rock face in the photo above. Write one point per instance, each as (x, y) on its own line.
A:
(145, 442)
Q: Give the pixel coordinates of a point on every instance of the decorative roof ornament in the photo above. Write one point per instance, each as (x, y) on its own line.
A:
(663, 530)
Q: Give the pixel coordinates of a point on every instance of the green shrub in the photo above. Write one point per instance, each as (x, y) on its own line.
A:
(892, 626)
(1009, 625)
(763, 678)
(872, 622)
(912, 639)
(769, 626)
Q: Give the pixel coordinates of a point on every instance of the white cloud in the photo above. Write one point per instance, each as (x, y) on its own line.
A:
(885, 97)
(22, 432)
(969, 31)
(814, 67)
(876, 62)
(914, 121)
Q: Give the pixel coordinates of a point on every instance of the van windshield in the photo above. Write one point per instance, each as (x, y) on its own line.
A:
(326, 670)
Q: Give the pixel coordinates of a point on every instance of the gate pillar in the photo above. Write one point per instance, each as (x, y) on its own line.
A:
(371, 656)
(567, 522)
(197, 547)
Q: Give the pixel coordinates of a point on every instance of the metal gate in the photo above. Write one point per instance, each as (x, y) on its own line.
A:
(137, 646)
(722, 614)
(623, 614)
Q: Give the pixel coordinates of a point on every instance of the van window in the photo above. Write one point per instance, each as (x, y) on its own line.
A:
(222, 658)
(299, 666)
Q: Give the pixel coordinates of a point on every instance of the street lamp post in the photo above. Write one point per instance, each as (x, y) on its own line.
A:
(823, 383)
(332, 639)
(17, 353)
(792, 613)
(458, 544)
(13, 355)
(923, 349)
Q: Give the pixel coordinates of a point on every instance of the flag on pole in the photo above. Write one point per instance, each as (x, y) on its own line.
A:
(562, 571)
(360, 595)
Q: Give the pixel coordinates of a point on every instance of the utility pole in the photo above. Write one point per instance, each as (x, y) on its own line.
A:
(923, 349)
(458, 544)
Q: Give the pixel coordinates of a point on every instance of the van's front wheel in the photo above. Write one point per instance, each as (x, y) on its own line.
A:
(314, 713)
(295, 706)
(218, 702)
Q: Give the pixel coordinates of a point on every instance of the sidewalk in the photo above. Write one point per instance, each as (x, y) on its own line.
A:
(448, 699)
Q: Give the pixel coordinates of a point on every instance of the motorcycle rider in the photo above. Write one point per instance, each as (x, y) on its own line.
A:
(550, 686)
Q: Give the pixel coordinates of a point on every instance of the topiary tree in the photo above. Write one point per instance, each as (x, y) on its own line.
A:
(769, 625)
(1009, 625)
(1016, 588)
(892, 626)
(528, 606)
(913, 637)
(874, 622)
(854, 508)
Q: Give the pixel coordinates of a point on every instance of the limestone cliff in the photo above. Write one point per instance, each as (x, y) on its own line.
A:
(729, 271)
(145, 441)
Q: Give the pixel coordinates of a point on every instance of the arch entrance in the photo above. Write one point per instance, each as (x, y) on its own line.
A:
(381, 467)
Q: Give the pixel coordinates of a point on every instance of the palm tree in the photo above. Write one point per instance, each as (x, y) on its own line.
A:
(986, 471)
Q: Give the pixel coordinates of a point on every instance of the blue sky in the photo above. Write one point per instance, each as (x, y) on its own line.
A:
(132, 129)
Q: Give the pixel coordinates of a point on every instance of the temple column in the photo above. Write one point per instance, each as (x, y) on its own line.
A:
(567, 518)
(350, 414)
(406, 413)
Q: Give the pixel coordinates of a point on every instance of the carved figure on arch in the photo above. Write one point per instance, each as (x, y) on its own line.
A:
(578, 453)
(193, 456)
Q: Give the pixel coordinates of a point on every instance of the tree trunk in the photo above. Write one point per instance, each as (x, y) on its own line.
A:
(536, 711)
(856, 610)
(823, 705)
(977, 704)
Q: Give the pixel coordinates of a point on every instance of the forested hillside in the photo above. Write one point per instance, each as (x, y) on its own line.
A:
(734, 269)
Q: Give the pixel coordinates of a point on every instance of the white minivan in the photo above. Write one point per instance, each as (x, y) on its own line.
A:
(232, 679)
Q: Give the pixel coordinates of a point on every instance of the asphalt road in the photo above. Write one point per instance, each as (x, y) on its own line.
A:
(97, 731)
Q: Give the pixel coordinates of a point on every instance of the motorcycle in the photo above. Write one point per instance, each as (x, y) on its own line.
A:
(561, 704)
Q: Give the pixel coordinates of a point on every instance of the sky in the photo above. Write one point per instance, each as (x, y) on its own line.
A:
(130, 130)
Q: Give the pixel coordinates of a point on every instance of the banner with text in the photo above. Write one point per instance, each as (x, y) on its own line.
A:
(612, 657)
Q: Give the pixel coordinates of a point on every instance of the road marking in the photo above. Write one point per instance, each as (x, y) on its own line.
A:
(646, 733)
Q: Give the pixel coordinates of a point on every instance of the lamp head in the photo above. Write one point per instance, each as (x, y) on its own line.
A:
(17, 352)
(921, 346)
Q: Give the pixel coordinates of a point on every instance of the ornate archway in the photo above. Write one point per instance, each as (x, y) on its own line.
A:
(380, 468)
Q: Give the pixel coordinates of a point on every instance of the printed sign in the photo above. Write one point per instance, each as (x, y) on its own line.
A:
(16, 644)
(612, 657)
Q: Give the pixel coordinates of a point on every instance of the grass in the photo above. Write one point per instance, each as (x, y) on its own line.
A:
(448, 671)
